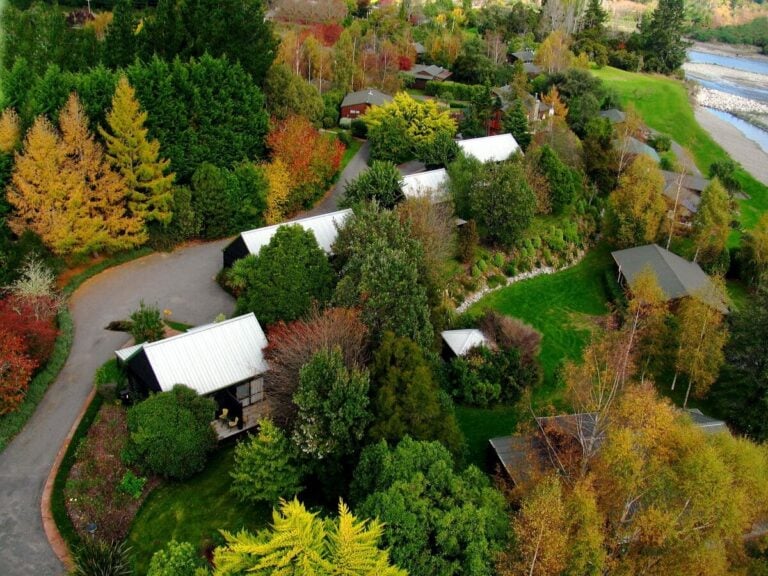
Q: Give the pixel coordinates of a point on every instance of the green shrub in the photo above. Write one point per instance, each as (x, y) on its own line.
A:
(511, 269)
(147, 324)
(536, 241)
(498, 259)
(482, 264)
(171, 433)
(109, 379)
(468, 241)
(496, 280)
(132, 485)
(345, 138)
(176, 559)
(97, 558)
(660, 142)
(359, 128)
(476, 272)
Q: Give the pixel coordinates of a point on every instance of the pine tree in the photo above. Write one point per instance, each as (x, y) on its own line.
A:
(516, 123)
(97, 195)
(136, 158)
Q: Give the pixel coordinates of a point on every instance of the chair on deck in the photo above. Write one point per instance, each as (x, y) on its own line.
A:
(233, 423)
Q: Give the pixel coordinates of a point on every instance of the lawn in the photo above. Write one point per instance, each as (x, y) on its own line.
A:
(562, 307)
(664, 105)
(193, 511)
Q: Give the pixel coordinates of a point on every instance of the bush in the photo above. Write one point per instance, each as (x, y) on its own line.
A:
(624, 60)
(660, 142)
(344, 138)
(359, 128)
(132, 485)
(97, 558)
(147, 324)
(496, 280)
(498, 259)
(177, 559)
(171, 433)
(468, 241)
(511, 269)
(482, 265)
(109, 379)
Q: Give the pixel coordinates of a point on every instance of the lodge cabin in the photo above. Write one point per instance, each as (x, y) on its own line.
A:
(356, 104)
(422, 73)
(325, 227)
(223, 360)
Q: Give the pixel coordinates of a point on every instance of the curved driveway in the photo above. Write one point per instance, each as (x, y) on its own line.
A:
(182, 282)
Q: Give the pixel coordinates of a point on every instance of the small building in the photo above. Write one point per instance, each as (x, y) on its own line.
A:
(420, 51)
(677, 277)
(423, 73)
(324, 227)
(690, 190)
(431, 182)
(490, 148)
(635, 147)
(524, 56)
(223, 360)
(615, 115)
(531, 69)
(459, 342)
(355, 104)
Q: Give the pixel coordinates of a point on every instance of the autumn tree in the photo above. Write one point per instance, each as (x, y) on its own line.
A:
(16, 369)
(10, 131)
(137, 158)
(636, 209)
(701, 337)
(625, 131)
(300, 542)
(554, 54)
(712, 225)
(278, 191)
(292, 345)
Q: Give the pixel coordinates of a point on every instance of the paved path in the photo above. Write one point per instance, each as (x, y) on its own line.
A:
(357, 164)
(181, 281)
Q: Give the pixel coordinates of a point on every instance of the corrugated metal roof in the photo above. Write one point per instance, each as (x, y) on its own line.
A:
(429, 71)
(462, 341)
(126, 353)
(707, 424)
(614, 115)
(689, 182)
(323, 227)
(490, 148)
(422, 183)
(368, 96)
(635, 146)
(676, 276)
(524, 55)
(209, 358)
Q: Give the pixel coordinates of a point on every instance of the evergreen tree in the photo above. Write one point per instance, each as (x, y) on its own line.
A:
(121, 42)
(136, 158)
(516, 123)
(563, 182)
(593, 21)
(380, 183)
(662, 37)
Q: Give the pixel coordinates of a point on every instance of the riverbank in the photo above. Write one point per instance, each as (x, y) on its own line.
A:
(732, 140)
(734, 50)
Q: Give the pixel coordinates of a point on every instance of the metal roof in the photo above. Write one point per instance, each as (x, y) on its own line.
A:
(423, 183)
(490, 148)
(705, 423)
(322, 226)
(635, 146)
(531, 68)
(429, 71)
(524, 55)
(368, 96)
(208, 358)
(615, 115)
(676, 276)
(419, 47)
(462, 341)
(690, 182)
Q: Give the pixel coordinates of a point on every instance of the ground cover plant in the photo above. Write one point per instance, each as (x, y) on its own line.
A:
(664, 105)
(168, 514)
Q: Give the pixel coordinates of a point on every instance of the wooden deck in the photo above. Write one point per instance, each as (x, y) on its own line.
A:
(251, 416)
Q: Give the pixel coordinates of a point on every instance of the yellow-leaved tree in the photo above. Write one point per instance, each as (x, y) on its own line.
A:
(10, 131)
(63, 189)
(137, 158)
(278, 190)
(423, 120)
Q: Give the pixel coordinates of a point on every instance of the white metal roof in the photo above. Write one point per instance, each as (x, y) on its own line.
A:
(462, 341)
(490, 148)
(421, 183)
(323, 227)
(208, 358)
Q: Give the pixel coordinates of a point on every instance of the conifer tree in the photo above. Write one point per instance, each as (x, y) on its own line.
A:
(10, 131)
(516, 123)
(136, 158)
(99, 215)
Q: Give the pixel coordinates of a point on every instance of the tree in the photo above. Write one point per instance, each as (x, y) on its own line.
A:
(10, 131)
(554, 54)
(439, 521)
(593, 21)
(390, 142)
(137, 158)
(292, 269)
(291, 346)
(332, 407)
(278, 191)
(171, 433)
(406, 398)
(441, 151)
(147, 324)
(502, 203)
(121, 42)
(662, 37)
(516, 123)
(463, 173)
(627, 130)
(381, 183)
(211, 200)
(382, 271)
(701, 337)
(298, 542)
(265, 468)
(755, 251)
(712, 224)
(600, 158)
(636, 209)
(725, 171)
(564, 183)
(176, 559)
(16, 370)
(290, 95)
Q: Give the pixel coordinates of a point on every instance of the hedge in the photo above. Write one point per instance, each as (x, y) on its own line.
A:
(454, 90)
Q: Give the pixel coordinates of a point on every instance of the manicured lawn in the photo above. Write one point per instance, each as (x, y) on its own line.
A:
(663, 103)
(193, 511)
(562, 307)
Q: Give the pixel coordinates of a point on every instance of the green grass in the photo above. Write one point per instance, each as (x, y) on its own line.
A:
(178, 326)
(351, 150)
(193, 511)
(664, 105)
(562, 307)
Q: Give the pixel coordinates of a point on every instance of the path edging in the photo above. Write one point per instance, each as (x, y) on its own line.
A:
(55, 539)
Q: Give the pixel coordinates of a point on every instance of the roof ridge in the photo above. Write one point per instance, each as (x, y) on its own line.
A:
(298, 221)
(201, 329)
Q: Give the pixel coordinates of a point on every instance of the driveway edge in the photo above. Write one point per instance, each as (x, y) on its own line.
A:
(56, 541)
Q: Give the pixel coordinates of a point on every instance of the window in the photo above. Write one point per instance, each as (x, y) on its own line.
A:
(250, 392)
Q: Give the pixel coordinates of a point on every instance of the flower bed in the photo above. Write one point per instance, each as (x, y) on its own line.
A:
(101, 493)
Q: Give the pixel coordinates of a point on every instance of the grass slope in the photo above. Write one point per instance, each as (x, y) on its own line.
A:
(193, 511)
(664, 105)
(562, 307)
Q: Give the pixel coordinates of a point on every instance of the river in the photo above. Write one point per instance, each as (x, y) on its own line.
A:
(732, 74)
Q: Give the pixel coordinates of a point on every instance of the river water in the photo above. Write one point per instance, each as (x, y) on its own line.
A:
(732, 85)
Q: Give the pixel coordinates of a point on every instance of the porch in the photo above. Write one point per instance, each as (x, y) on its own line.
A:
(226, 427)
